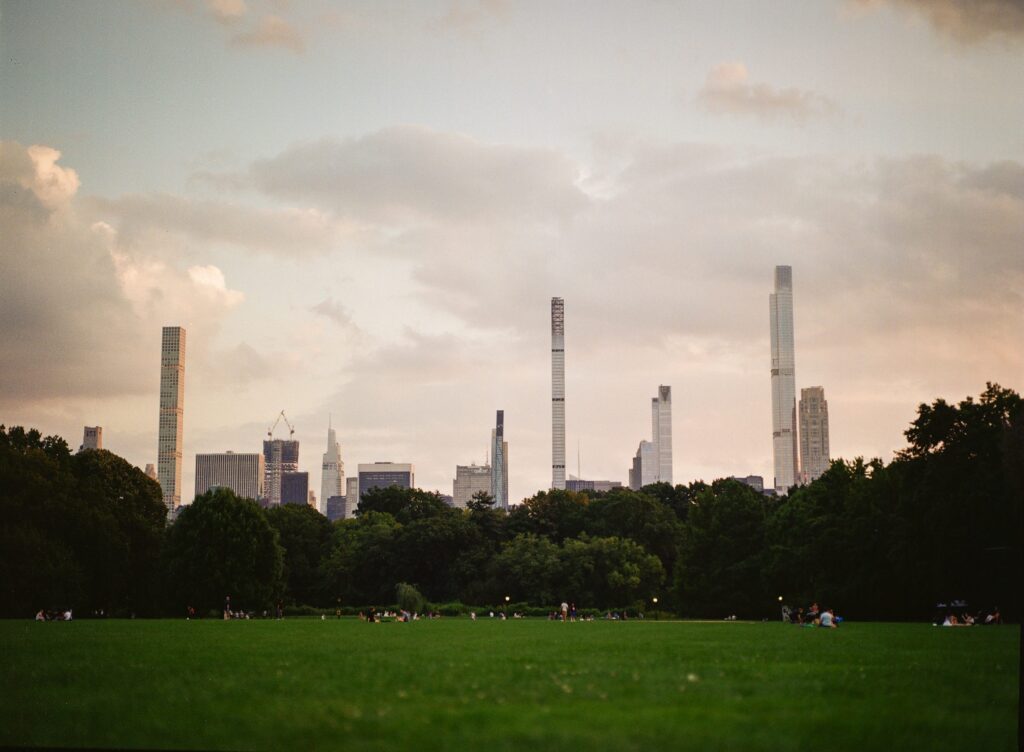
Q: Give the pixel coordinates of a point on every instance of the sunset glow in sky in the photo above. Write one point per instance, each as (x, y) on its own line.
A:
(363, 209)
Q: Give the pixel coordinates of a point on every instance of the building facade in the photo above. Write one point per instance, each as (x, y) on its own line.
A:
(499, 464)
(92, 438)
(335, 508)
(661, 433)
(469, 480)
(598, 486)
(754, 481)
(280, 456)
(783, 372)
(645, 466)
(814, 451)
(332, 480)
(172, 412)
(384, 474)
(295, 488)
(242, 473)
(557, 393)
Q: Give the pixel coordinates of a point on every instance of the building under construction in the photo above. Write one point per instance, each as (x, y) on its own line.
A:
(280, 456)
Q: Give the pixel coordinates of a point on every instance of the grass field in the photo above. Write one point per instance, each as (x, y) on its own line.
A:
(452, 683)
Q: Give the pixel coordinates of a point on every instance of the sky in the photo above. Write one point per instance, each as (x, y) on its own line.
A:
(360, 211)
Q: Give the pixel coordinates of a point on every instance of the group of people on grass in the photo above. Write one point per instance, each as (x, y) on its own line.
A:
(967, 619)
(57, 615)
(812, 617)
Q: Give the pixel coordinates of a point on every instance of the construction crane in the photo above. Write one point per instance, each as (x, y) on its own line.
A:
(280, 416)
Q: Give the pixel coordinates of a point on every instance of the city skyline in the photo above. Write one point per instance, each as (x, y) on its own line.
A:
(383, 246)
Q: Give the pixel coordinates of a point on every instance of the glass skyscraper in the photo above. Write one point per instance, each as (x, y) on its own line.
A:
(784, 446)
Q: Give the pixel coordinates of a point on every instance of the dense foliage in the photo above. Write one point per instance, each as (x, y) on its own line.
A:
(941, 521)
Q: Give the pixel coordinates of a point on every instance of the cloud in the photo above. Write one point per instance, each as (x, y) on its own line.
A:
(334, 311)
(148, 218)
(466, 16)
(81, 312)
(966, 21)
(411, 175)
(227, 11)
(272, 31)
(728, 91)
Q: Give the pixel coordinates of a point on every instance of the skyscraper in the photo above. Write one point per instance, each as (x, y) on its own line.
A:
(557, 393)
(661, 433)
(351, 495)
(384, 474)
(469, 480)
(242, 473)
(280, 456)
(92, 438)
(645, 466)
(784, 448)
(499, 464)
(814, 452)
(295, 488)
(332, 482)
(172, 409)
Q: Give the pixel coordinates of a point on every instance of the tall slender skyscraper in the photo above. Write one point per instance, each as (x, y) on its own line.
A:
(557, 393)
(661, 433)
(814, 451)
(172, 408)
(784, 448)
(499, 463)
(332, 481)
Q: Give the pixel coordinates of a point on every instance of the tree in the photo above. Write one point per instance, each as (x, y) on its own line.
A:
(221, 546)
(305, 536)
(404, 504)
(361, 566)
(556, 514)
(609, 572)
(409, 598)
(639, 517)
(722, 552)
(528, 569)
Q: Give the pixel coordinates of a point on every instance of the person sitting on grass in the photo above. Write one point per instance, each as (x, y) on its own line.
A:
(828, 619)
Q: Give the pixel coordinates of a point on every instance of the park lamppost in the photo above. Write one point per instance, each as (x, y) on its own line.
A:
(654, 600)
(506, 606)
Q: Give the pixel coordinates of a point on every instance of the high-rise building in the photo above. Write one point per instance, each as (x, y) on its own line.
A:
(332, 481)
(784, 447)
(242, 473)
(754, 481)
(384, 474)
(599, 486)
(336, 508)
(469, 480)
(661, 433)
(557, 393)
(294, 488)
(280, 456)
(814, 452)
(351, 495)
(150, 470)
(499, 464)
(172, 410)
(92, 438)
(645, 466)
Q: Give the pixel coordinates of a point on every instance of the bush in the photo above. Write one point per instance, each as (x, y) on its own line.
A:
(409, 598)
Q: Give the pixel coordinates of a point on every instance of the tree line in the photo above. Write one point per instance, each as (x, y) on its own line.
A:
(943, 520)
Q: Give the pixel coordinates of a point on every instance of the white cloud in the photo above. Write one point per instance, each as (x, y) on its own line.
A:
(728, 91)
(967, 21)
(272, 31)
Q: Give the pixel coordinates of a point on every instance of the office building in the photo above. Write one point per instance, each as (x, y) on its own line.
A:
(783, 371)
(754, 481)
(470, 480)
(294, 488)
(385, 474)
(645, 466)
(351, 495)
(335, 508)
(242, 473)
(172, 411)
(814, 452)
(150, 470)
(280, 456)
(661, 433)
(499, 464)
(92, 438)
(598, 486)
(557, 393)
(332, 480)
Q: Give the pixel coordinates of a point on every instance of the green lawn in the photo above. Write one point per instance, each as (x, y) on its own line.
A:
(452, 683)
